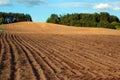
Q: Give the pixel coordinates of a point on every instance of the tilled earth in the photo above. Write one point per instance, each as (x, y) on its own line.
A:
(44, 51)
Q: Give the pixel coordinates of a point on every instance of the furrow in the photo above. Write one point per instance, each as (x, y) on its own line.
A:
(5, 64)
(65, 57)
(25, 67)
(107, 60)
(87, 58)
(40, 59)
(90, 53)
(90, 59)
(84, 45)
(1, 47)
(13, 63)
(26, 52)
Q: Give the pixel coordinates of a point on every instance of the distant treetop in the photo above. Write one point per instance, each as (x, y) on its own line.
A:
(102, 19)
(6, 18)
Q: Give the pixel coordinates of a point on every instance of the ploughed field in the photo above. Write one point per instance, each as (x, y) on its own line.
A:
(43, 51)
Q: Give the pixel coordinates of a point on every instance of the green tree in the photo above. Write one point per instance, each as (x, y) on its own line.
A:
(104, 16)
(102, 19)
(14, 17)
(1, 20)
(113, 18)
(54, 19)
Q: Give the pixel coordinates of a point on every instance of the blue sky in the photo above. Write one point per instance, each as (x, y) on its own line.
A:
(40, 10)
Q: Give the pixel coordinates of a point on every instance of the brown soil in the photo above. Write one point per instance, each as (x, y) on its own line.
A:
(42, 51)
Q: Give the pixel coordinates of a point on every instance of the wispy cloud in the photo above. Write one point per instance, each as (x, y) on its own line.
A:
(4, 2)
(73, 4)
(116, 8)
(31, 2)
(102, 6)
(93, 5)
(107, 6)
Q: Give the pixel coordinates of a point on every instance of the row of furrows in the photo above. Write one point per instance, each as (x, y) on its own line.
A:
(56, 70)
(6, 62)
(59, 52)
(1, 47)
(22, 49)
(13, 58)
(108, 61)
(96, 58)
(88, 57)
(27, 70)
(9, 61)
(101, 43)
(83, 44)
(93, 53)
(98, 44)
(114, 69)
(51, 53)
(93, 50)
(84, 48)
(46, 44)
(37, 54)
(38, 58)
(41, 59)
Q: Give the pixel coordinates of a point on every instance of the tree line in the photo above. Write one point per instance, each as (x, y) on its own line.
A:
(102, 19)
(6, 18)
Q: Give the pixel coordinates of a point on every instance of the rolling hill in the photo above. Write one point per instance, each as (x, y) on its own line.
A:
(44, 51)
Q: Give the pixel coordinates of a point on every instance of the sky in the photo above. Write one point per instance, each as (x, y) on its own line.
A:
(40, 10)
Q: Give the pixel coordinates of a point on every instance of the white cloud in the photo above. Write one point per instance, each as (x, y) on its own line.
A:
(108, 6)
(31, 2)
(4, 2)
(98, 6)
(116, 8)
(102, 6)
(73, 4)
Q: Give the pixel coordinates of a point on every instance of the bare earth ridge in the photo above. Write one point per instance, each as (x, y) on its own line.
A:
(44, 51)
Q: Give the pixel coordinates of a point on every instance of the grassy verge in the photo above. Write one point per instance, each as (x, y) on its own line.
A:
(117, 27)
(1, 29)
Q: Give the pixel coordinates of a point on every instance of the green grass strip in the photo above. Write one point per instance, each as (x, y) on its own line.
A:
(117, 27)
(1, 29)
